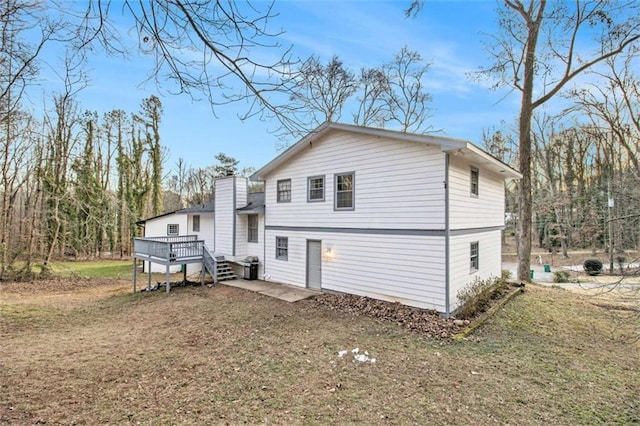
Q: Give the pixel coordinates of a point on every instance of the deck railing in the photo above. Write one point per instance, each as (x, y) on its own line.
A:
(171, 249)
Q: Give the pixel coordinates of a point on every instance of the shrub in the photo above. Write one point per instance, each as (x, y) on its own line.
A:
(506, 275)
(477, 296)
(561, 277)
(592, 266)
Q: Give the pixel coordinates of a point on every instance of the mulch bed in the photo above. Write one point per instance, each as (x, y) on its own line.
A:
(427, 322)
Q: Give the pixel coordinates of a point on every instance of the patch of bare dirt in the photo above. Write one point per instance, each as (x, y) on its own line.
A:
(423, 321)
(57, 285)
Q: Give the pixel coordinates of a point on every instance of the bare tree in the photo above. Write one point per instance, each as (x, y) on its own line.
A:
(407, 100)
(319, 92)
(372, 109)
(214, 49)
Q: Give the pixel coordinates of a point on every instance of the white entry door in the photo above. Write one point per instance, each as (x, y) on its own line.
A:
(314, 264)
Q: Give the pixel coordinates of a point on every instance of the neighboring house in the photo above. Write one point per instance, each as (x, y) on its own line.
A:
(378, 213)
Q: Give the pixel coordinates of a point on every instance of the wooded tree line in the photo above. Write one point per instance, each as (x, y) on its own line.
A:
(76, 182)
(585, 165)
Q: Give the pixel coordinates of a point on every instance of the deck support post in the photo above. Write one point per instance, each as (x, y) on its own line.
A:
(202, 273)
(168, 279)
(184, 273)
(134, 274)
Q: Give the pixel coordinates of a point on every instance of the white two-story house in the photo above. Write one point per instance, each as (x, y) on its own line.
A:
(378, 213)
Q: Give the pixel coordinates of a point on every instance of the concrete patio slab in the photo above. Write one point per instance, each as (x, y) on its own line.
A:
(253, 285)
(279, 291)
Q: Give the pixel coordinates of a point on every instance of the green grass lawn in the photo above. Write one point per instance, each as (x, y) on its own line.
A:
(90, 352)
(94, 269)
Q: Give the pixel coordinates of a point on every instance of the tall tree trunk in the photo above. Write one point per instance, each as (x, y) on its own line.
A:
(524, 148)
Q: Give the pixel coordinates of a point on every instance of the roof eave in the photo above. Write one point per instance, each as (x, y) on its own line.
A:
(486, 160)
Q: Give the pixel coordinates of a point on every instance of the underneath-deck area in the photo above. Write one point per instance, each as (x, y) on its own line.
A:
(173, 251)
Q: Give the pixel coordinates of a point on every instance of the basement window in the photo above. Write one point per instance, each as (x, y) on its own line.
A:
(282, 248)
(474, 256)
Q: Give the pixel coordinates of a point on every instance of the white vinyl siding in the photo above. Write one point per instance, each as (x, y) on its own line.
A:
(316, 188)
(230, 228)
(399, 184)
(224, 217)
(205, 234)
(489, 260)
(401, 268)
(465, 211)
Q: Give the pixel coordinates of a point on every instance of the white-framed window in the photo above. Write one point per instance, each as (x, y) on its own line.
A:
(315, 188)
(173, 229)
(475, 180)
(252, 228)
(284, 191)
(282, 248)
(344, 190)
(196, 223)
(474, 255)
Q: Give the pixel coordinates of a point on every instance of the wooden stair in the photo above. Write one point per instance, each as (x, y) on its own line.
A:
(224, 270)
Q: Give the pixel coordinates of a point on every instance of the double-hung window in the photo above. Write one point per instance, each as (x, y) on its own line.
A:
(345, 191)
(282, 248)
(315, 191)
(284, 191)
(474, 255)
(475, 180)
(252, 228)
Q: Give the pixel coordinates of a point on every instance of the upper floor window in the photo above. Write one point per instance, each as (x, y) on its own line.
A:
(284, 191)
(196, 223)
(282, 248)
(344, 188)
(252, 228)
(173, 229)
(474, 255)
(474, 182)
(315, 186)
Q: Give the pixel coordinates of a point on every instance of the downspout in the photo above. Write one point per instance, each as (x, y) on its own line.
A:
(233, 210)
(215, 223)
(264, 234)
(447, 236)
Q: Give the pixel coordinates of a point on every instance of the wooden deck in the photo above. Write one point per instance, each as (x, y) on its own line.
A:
(172, 250)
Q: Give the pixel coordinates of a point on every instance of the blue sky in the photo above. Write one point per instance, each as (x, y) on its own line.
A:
(448, 34)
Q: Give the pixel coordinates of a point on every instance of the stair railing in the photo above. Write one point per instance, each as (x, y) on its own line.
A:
(209, 263)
